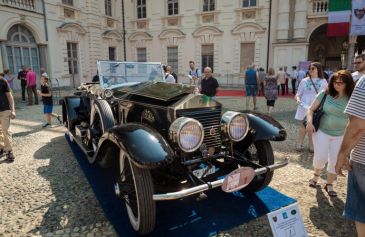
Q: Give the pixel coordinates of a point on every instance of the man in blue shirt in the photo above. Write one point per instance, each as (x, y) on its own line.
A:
(194, 74)
(251, 82)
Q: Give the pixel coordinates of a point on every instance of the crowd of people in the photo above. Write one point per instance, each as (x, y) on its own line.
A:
(28, 81)
(270, 84)
(340, 133)
(205, 83)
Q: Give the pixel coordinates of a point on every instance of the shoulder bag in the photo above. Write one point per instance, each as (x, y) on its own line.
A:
(314, 85)
(317, 114)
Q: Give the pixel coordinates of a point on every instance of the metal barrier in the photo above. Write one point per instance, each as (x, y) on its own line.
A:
(56, 90)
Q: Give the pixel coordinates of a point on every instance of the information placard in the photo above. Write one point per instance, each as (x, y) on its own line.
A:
(287, 222)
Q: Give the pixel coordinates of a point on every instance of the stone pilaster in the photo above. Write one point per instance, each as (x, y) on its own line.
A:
(291, 19)
(300, 21)
(283, 20)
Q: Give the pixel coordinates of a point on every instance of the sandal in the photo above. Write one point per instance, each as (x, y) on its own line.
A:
(300, 148)
(312, 182)
(331, 192)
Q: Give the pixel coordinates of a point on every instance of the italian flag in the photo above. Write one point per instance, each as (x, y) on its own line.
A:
(339, 12)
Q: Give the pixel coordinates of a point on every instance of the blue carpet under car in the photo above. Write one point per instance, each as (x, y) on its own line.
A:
(187, 217)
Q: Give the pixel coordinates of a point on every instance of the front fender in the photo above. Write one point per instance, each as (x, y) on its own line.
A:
(145, 146)
(263, 127)
(68, 107)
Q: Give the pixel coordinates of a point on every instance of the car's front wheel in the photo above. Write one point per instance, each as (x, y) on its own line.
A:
(136, 188)
(261, 153)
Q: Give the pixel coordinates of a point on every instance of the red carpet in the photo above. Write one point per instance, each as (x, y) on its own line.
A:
(227, 92)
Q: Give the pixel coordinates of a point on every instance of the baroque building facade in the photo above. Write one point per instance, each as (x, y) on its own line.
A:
(299, 34)
(64, 36)
(67, 37)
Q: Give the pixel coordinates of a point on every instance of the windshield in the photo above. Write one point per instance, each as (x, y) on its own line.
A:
(114, 74)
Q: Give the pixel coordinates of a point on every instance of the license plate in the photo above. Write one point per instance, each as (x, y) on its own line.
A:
(199, 172)
(238, 179)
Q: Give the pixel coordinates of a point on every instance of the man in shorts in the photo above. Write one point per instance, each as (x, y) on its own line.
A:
(7, 112)
(354, 143)
(251, 83)
(47, 99)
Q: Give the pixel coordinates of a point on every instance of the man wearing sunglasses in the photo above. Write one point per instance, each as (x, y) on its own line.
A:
(359, 66)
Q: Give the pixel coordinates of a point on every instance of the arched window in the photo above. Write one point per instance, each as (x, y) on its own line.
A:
(21, 49)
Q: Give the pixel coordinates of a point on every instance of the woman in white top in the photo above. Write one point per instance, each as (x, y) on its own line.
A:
(168, 77)
(308, 89)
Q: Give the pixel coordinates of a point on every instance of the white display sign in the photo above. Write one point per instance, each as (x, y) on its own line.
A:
(287, 222)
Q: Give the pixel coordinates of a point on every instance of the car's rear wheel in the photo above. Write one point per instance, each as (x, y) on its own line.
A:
(136, 188)
(261, 153)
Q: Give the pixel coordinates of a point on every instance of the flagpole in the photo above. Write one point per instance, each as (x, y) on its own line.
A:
(352, 41)
(351, 51)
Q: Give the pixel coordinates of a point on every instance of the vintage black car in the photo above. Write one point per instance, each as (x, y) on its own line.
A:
(165, 141)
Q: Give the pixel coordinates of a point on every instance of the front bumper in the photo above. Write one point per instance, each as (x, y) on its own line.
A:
(211, 185)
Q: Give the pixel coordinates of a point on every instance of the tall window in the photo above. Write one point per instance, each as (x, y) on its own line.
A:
(108, 7)
(72, 58)
(141, 9)
(207, 56)
(21, 48)
(247, 55)
(68, 2)
(141, 55)
(172, 7)
(172, 57)
(249, 3)
(112, 53)
(208, 5)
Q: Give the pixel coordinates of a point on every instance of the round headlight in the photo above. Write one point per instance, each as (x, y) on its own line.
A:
(187, 133)
(235, 125)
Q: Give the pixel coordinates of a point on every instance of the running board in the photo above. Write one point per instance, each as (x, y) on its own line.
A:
(211, 185)
(80, 144)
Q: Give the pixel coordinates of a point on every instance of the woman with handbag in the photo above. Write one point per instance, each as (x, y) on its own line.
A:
(271, 90)
(331, 126)
(307, 91)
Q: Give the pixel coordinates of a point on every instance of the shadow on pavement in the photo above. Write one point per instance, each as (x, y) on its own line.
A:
(33, 129)
(186, 217)
(305, 160)
(330, 209)
(72, 202)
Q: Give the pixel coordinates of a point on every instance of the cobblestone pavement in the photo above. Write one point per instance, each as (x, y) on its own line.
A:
(45, 193)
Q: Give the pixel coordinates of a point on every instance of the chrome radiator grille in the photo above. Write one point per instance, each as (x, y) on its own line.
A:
(210, 119)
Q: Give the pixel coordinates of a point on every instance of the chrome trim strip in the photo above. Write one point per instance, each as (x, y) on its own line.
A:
(211, 185)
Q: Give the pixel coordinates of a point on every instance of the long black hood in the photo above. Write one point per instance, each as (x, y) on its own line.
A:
(196, 101)
(155, 90)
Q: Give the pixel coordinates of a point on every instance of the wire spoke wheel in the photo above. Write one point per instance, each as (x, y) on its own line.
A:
(252, 154)
(97, 128)
(102, 122)
(260, 153)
